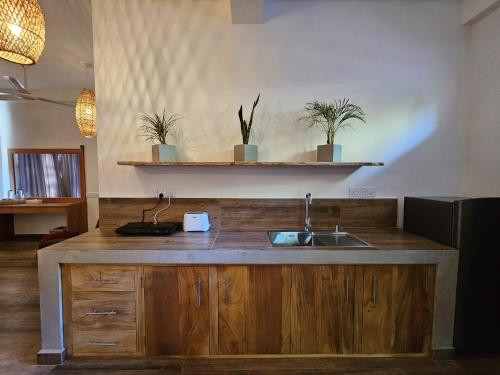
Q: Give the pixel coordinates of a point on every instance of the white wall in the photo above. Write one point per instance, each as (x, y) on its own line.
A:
(482, 176)
(405, 62)
(41, 125)
(475, 10)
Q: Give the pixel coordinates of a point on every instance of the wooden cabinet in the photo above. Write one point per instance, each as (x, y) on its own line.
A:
(176, 311)
(322, 309)
(368, 309)
(397, 308)
(93, 310)
(102, 307)
(104, 343)
(248, 309)
(95, 278)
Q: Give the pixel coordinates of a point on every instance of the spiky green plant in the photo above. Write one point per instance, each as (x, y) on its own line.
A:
(156, 127)
(332, 117)
(247, 127)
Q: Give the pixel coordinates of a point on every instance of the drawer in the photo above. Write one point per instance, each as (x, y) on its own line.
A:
(103, 278)
(104, 314)
(103, 342)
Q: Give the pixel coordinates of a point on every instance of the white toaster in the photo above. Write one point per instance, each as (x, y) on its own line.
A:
(196, 222)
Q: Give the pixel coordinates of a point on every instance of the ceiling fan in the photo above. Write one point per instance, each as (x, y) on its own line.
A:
(20, 92)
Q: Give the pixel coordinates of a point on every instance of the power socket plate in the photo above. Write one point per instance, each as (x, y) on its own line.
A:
(360, 193)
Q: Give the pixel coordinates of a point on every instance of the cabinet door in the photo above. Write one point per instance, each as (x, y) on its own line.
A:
(249, 309)
(378, 327)
(176, 310)
(322, 309)
(397, 308)
(413, 307)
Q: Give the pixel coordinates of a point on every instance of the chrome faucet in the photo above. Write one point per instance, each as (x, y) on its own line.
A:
(307, 218)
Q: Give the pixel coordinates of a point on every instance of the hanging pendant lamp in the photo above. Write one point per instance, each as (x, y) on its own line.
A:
(22, 31)
(86, 113)
(85, 109)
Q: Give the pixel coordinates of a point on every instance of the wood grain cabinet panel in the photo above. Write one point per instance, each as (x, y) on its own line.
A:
(103, 278)
(233, 297)
(249, 309)
(104, 314)
(378, 328)
(322, 309)
(397, 308)
(176, 313)
(104, 342)
(412, 307)
(102, 307)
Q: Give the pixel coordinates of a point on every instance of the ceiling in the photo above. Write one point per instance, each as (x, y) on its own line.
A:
(68, 41)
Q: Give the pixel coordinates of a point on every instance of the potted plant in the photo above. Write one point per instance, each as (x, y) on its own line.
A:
(332, 117)
(246, 152)
(156, 128)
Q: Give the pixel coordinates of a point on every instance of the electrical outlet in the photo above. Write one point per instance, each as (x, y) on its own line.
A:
(159, 190)
(360, 193)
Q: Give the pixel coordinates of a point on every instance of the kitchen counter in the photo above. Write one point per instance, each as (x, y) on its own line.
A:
(390, 246)
(380, 238)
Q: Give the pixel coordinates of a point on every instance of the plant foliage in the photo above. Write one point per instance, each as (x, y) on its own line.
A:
(156, 127)
(247, 127)
(332, 117)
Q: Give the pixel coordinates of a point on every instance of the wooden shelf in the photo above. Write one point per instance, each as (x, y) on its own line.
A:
(249, 164)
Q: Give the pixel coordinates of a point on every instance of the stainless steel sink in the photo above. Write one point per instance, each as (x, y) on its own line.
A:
(334, 239)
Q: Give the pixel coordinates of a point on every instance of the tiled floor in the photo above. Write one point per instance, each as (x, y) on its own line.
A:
(20, 340)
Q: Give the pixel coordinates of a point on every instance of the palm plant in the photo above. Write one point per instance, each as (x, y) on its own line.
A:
(247, 127)
(332, 117)
(156, 127)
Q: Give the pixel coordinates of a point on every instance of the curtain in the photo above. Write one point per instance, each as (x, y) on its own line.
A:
(48, 175)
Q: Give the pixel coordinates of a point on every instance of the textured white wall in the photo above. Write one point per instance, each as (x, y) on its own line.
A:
(41, 125)
(474, 10)
(404, 62)
(482, 177)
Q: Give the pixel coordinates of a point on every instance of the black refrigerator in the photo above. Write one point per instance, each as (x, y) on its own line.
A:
(471, 225)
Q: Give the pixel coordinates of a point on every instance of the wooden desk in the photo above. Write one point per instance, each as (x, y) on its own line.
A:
(76, 215)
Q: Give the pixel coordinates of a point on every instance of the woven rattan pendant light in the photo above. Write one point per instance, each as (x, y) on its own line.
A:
(86, 109)
(22, 31)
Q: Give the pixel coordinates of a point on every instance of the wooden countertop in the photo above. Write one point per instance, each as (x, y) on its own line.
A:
(45, 207)
(379, 238)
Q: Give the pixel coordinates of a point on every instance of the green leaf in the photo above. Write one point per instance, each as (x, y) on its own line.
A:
(156, 127)
(331, 117)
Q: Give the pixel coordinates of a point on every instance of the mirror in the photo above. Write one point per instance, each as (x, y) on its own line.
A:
(53, 174)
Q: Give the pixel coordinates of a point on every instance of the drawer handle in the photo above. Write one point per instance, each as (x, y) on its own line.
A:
(94, 312)
(100, 280)
(103, 343)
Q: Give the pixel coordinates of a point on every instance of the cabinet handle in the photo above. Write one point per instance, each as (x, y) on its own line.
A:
(94, 312)
(199, 291)
(426, 282)
(100, 280)
(347, 289)
(103, 343)
(374, 290)
(226, 291)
